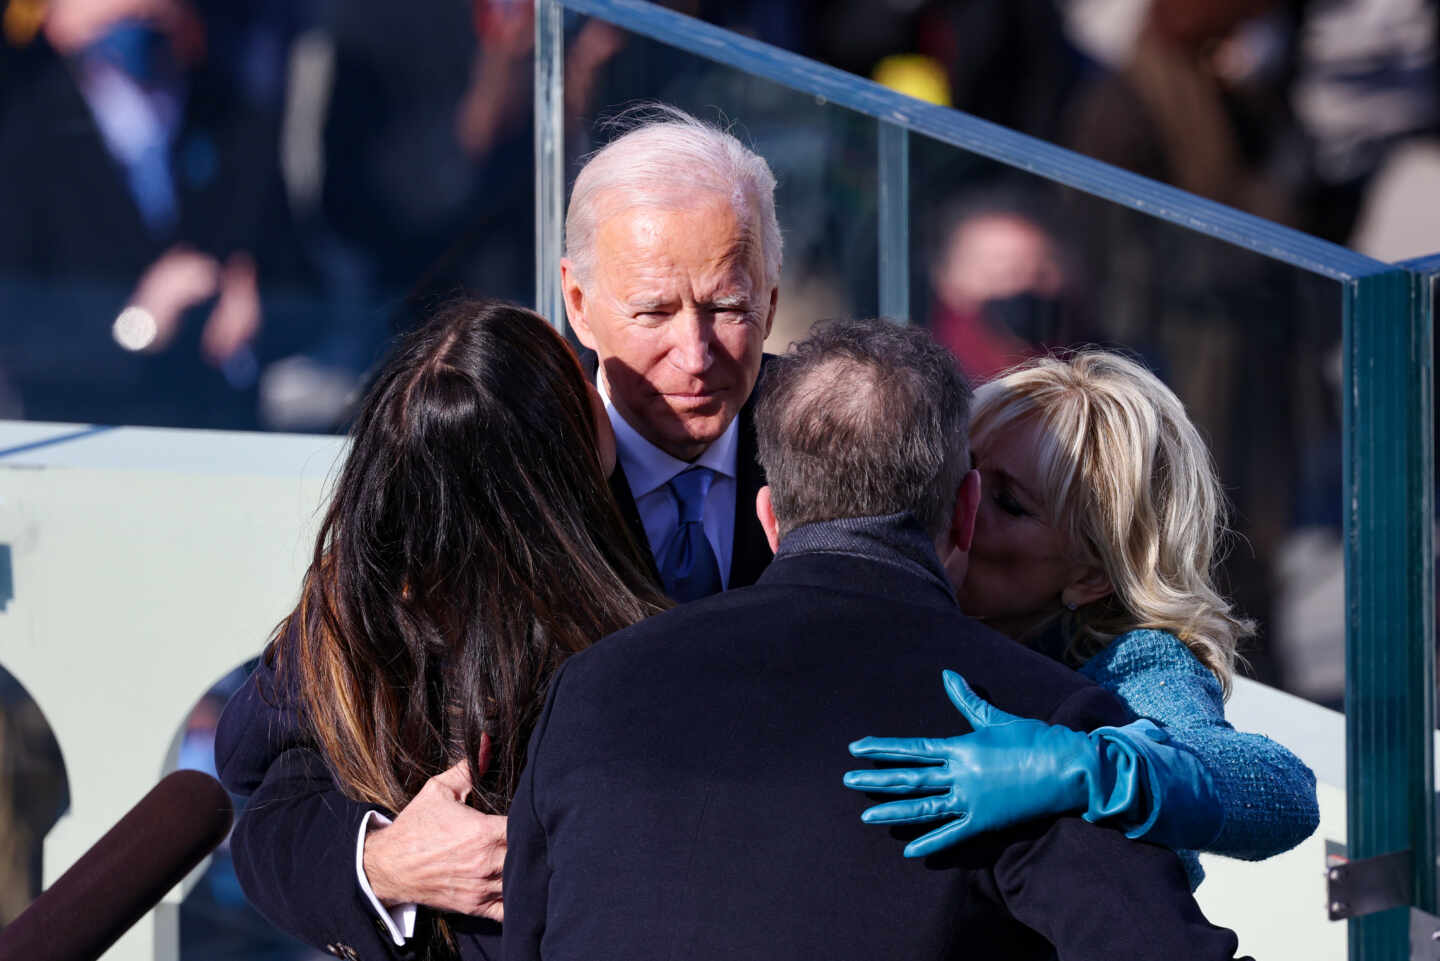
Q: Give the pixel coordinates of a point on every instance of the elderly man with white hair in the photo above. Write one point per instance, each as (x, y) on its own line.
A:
(670, 279)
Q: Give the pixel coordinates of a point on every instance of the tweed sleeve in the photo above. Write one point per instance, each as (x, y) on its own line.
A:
(1267, 793)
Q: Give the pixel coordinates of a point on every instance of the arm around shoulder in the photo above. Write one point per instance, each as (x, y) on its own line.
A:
(294, 849)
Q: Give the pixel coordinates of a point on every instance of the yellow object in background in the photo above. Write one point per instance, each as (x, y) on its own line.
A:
(22, 21)
(914, 75)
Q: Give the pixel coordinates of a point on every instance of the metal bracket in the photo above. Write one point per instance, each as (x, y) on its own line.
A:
(1367, 885)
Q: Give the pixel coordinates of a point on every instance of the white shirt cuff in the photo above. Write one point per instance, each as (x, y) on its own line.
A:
(399, 920)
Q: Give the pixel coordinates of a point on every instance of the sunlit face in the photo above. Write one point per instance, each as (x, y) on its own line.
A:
(678, 311)
(1020, 566)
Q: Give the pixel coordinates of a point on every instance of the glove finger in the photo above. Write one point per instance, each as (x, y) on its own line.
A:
(978, 711)
(961, 829)
(908, 812)
(899, 748)
(898, 780)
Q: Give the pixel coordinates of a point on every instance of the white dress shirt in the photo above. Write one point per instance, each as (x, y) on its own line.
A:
(399, 920)
(648, 470)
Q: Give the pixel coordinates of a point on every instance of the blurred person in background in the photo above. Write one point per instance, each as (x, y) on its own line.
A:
(1284, 108)
(34, 793)
(141, 182)
(409, 164)
(1008, 61)
(1003, 283)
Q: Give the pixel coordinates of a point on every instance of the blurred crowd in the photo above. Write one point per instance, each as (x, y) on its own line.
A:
(217, 214)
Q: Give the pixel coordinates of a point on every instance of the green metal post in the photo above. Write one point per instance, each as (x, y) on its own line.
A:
(1389, 592)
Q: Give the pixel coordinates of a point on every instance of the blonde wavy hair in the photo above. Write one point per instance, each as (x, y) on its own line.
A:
(1130, 484)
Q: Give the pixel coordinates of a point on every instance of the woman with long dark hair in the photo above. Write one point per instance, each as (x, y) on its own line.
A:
(470, 545)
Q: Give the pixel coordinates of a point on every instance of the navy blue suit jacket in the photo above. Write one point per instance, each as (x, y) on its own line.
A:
(683, 797)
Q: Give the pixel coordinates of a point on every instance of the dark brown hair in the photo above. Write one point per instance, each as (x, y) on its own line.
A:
(471, 544)
(863, 418)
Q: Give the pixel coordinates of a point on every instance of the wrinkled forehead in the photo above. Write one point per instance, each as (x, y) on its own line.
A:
(733, 239)
(681, 198)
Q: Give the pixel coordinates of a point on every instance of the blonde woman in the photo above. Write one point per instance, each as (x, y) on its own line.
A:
(1100, 506)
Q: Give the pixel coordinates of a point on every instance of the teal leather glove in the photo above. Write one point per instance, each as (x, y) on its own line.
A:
(1012, 769)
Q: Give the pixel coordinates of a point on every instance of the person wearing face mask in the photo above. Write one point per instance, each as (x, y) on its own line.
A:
(1100, 508)
(1001, 285)
(141, 211)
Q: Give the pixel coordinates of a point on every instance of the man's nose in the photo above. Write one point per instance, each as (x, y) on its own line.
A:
(692, 340)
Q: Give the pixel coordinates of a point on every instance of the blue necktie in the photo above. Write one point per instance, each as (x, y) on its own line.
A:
(687, 564)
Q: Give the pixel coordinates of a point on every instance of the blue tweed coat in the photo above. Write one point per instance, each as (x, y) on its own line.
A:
(1267, 793)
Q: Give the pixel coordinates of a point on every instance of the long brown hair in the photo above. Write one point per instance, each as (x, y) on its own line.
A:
(470, 545)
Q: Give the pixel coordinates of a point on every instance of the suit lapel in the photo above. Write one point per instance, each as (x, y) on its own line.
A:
(750, 551)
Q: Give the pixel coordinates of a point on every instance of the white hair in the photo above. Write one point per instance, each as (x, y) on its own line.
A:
(664, 159)
(1128, 481)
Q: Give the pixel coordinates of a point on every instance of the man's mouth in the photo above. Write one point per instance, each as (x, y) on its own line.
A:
(688, 399)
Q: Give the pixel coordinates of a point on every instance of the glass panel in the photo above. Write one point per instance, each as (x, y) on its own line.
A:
(1008, 266)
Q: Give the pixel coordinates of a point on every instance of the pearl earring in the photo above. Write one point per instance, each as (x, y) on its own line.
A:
(1071, 606)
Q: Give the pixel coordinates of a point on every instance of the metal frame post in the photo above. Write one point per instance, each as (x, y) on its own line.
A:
(1389, 592)
(893, 148)
(549, 159)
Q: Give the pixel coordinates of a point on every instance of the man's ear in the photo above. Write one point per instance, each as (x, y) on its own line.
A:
(1091, 583)
(575, 303)
(770, 316)
(766, 512)
(967, 505)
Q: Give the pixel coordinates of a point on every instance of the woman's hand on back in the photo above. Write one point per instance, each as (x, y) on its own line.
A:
(439, 852)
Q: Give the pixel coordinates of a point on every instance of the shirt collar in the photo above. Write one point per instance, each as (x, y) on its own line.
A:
(648, 468)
